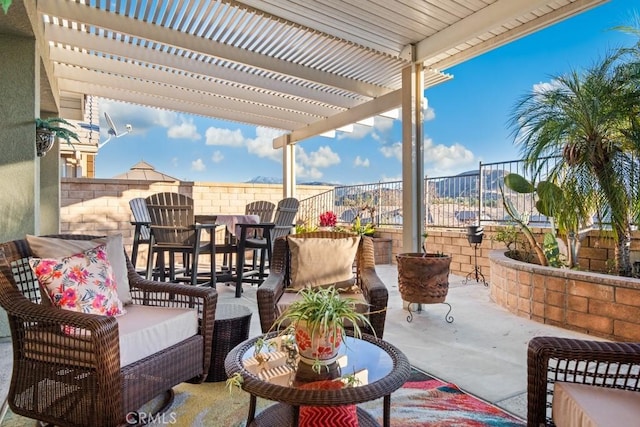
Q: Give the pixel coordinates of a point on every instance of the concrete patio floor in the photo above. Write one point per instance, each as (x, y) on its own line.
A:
(484, 351)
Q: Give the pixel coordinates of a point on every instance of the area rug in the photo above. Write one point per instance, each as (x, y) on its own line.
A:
(422, 401)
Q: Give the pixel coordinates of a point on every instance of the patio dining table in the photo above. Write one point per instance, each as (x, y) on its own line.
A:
(231, 221)
(230, 271)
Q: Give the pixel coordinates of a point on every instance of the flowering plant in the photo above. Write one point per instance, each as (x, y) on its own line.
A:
(328, 219)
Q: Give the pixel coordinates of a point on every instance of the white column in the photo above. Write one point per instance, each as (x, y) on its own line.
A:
(288, 168)
(412, 158)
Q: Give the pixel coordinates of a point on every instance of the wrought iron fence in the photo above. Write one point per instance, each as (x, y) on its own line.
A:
(454, 201)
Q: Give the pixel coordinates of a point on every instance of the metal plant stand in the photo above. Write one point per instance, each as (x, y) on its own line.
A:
(447, 317)
(475, 233)
(476, 273)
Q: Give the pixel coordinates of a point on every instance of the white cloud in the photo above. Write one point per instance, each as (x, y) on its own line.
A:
(175, 162)
(440, 159)
(385, 178)
(360, 162)
(262, 144)
(224, 137)
(546, 86)
(142, 118)
(186, 129)
(309, 165)
(198, 165)
(394, 150)
(217, 157)
(428, 113)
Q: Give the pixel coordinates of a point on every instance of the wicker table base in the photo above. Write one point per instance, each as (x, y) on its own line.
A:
(231, 327)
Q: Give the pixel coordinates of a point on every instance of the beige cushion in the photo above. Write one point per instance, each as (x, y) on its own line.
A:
(320, 261)
(50, 247)
(582, 405)
(145, 330)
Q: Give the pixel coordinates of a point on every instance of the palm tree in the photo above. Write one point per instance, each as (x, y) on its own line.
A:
(591, 120)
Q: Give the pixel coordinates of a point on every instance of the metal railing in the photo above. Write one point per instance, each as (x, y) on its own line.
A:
(454, 201)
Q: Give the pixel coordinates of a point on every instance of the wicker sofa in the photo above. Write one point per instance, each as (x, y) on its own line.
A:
(567, 376)
(71, 379)
(373, 289)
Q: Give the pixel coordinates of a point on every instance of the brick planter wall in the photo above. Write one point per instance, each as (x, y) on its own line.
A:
(597, 304)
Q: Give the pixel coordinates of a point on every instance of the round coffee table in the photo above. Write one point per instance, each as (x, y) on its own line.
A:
(385, 367)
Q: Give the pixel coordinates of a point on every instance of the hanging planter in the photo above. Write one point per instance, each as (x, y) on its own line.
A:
(48, 129)
(44, 141)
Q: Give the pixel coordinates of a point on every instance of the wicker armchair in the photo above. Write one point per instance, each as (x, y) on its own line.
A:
(373, 289)
(596, 363)
(72, 380)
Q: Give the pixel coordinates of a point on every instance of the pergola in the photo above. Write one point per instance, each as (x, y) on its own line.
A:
(302, 66)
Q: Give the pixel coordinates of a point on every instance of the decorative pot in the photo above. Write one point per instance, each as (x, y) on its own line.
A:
(44, 141)
(423, 278)
(475, 234)
(317, 346)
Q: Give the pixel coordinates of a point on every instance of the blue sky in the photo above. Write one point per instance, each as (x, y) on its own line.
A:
(467, 118)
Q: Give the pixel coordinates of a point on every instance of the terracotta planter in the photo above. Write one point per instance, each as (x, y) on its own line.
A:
(321, 347)
(423, 278)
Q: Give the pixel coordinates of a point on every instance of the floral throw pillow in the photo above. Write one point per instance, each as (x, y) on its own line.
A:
(83, 282)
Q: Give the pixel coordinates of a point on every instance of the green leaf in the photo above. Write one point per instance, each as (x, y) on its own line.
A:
(550, 197)
(518, 184)
(5, 5)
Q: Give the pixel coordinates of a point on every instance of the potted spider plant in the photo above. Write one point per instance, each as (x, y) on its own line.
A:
(49, 129)
(319, 320)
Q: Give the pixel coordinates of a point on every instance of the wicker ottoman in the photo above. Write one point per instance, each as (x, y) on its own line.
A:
(230, 329)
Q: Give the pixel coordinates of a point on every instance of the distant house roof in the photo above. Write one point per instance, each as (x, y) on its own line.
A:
(145, 172)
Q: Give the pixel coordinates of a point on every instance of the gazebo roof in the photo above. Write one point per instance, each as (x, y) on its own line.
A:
(145, 172)
(304, 67)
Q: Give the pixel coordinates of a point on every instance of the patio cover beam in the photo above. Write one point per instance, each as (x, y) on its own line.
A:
(165, 76)
(159, 101)
(91, 16)
(150, 56)
(376, 106)
(169, 91)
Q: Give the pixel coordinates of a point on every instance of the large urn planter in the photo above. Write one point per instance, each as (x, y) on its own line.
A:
(424, 279)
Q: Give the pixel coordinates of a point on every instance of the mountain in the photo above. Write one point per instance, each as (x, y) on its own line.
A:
(264, 180)
(273, 180)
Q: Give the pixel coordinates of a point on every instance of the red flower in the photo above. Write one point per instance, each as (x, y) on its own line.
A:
(328, 219)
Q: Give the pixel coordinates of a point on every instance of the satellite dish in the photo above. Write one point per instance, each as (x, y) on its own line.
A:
(113, 132)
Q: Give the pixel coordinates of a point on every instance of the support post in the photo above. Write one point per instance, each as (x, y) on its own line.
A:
(288, 167)
(412, 157)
